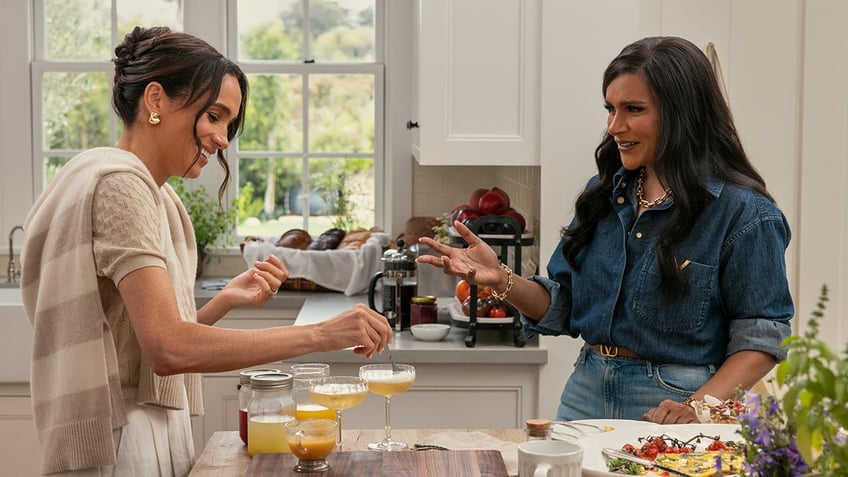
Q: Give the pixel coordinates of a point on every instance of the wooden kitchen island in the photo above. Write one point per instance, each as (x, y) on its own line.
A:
(226, 456)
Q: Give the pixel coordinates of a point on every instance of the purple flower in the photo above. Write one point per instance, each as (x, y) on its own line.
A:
(771, 449)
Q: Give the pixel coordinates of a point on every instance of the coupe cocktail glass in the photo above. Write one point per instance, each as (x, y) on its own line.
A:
(388, 380)
(338, 392)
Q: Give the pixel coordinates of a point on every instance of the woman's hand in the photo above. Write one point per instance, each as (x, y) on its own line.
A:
(360, 327)
(257, 285)
(477, 262)
(671, 412)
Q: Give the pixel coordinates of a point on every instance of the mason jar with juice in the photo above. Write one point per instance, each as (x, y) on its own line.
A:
(244, 395)
(271, 407)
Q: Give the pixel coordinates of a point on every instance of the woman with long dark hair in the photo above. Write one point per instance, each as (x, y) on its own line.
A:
(673, 268)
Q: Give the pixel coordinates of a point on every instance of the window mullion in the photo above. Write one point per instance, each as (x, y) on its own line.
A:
(304, 176)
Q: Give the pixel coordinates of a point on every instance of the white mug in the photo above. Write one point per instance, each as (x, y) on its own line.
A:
(549, 459)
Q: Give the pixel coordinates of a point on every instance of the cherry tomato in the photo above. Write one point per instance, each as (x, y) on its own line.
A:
(651, 452)
(717, 445)
(497, 312)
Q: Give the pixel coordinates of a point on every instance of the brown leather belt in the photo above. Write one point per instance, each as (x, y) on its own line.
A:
(612, 351)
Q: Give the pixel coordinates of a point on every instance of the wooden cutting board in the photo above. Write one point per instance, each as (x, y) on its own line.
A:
(480, 463)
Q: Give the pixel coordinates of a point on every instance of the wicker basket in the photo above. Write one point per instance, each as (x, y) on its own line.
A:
(303, 284)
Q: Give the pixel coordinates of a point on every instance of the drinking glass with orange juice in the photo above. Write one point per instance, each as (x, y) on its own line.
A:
(311, 441)
(338, 393)
(388, 379)
(306, 408)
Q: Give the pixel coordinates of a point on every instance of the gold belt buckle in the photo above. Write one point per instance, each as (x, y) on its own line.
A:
(609, 351)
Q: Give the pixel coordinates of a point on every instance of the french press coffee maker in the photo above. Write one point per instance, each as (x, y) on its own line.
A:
(399, 280)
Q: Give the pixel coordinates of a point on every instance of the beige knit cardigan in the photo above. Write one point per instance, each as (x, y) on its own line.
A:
(76, 390)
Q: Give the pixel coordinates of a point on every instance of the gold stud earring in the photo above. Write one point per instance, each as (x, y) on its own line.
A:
(154, 118)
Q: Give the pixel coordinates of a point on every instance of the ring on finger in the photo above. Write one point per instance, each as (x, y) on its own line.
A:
(272, 291)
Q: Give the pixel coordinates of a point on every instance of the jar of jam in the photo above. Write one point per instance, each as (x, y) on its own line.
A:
(422, 310)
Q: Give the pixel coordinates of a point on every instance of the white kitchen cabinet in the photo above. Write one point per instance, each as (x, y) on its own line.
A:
(477, 82)
(21, 453)
(451, 396)
(446, 396)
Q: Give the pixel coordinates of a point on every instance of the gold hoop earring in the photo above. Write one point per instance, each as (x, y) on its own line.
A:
(154, 118)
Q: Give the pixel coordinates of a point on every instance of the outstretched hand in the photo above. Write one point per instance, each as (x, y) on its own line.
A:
(477, 262)
(258, 284)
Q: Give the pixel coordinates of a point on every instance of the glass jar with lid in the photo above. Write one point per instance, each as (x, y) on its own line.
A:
(423, 310)
(271, 407)
(538, 429)
(244, 396)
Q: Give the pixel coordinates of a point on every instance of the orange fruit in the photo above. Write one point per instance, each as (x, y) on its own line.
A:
(463, 290)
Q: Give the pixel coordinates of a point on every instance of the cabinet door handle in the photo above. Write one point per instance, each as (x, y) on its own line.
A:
(411, 124)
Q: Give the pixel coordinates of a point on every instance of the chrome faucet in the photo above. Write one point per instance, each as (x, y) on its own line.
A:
(14, 271)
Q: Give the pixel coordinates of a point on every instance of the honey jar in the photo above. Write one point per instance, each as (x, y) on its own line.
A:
(422, 310)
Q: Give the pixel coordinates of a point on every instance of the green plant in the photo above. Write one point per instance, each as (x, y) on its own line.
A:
(248, 206)
(815, 398)
(211, 222)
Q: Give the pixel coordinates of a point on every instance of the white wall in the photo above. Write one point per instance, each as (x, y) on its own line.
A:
(822, 219)
(16, 185)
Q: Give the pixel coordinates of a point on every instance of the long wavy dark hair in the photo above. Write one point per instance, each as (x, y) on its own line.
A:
(187, 67)
(697, 140)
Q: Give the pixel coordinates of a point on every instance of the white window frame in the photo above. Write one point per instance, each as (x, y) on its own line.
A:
(377, 69)
(21, 166)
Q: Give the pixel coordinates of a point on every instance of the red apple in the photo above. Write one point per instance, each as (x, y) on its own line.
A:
(466, 214)
(518, 218)
(492, 203)
(475, 197)
(455, 211)
(502, 193)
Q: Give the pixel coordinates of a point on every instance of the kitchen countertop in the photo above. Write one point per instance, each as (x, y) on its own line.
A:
(493, 346)
(226, 456)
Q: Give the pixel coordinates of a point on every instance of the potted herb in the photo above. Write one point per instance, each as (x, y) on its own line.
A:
(802, 432)
(211, 222)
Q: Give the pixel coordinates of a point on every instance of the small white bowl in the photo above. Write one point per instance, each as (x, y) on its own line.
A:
(430, 331)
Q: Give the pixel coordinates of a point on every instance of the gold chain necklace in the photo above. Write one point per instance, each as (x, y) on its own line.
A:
(640, 193)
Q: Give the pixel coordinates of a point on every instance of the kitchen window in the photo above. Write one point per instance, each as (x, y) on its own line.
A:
(311, 151)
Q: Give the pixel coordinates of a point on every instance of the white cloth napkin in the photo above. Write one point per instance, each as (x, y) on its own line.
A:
(476, 440)
(347, 271)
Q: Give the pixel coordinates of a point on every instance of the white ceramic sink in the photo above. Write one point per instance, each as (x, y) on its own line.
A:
(15, 339)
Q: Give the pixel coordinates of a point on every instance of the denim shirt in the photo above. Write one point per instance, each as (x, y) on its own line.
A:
(738, 296)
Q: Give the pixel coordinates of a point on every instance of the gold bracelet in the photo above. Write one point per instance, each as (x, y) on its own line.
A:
(509, 283)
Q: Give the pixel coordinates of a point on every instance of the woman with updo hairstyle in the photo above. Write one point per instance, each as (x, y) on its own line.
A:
(109, 261)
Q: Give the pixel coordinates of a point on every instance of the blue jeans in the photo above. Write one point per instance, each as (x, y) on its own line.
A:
(624, 388)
